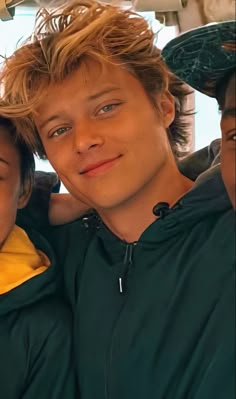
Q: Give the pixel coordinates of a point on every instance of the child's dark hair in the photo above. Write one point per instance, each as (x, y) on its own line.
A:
(27, 164)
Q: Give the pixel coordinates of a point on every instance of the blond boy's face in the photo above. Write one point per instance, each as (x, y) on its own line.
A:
(228, 151)
(10, 184)
(103, 136)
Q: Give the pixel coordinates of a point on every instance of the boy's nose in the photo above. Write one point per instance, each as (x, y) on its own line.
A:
(86, 138)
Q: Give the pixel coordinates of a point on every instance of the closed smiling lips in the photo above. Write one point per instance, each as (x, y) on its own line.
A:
(99, 167)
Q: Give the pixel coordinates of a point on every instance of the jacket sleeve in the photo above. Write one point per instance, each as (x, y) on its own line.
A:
(198, 162)
(51, 369)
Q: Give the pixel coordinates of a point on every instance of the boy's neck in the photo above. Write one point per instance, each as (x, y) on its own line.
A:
(131, 219)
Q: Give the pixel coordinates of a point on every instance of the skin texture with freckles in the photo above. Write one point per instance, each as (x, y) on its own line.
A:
(228, 150)
(109, 145)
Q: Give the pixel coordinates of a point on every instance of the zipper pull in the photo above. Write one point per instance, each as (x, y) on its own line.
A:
(127, 262)
(121, 285)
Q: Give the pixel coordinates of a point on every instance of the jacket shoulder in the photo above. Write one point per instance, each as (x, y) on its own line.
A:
(38, 341)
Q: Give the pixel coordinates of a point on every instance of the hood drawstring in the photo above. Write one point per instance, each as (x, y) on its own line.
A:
(163, 209)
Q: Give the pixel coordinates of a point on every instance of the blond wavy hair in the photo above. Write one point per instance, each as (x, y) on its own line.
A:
(62, 39)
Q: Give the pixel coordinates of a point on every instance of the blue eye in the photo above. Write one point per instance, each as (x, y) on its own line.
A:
(108, 108)
(59, 131)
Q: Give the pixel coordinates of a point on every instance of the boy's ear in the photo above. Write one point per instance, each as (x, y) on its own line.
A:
(167, 103)
(26, 190)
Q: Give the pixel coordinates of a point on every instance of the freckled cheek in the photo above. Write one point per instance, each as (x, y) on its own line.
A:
(47, 147)
(55, 155)
(61, 164)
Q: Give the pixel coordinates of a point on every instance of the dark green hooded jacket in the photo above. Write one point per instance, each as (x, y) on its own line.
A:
(35, 338)
(156, 319)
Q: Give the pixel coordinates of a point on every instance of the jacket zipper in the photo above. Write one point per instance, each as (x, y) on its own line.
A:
(127, 263)
(122, 286)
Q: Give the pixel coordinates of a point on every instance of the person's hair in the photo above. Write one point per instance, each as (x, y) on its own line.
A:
(221, 89)
(88, 29)
(27, 164)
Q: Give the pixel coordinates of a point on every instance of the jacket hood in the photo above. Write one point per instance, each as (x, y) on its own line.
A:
(207, 199)
(34, 288)
(199, 161)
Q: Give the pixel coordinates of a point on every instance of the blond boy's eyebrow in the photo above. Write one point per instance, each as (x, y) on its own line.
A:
(102, 92)
(50, 119)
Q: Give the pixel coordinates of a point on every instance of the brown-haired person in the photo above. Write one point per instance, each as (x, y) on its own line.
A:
(149, 273)
(35, 326)
(205, 58)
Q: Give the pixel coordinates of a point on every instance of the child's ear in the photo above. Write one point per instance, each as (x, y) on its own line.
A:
(168, 108)
(26, 190)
